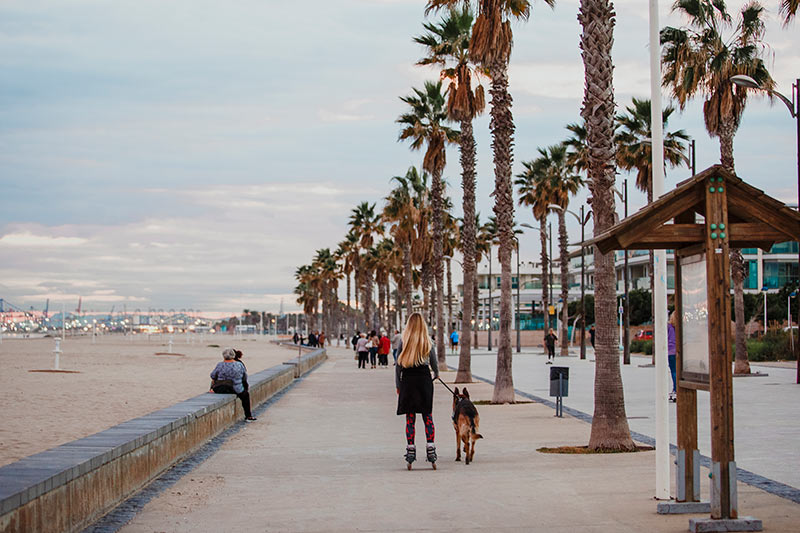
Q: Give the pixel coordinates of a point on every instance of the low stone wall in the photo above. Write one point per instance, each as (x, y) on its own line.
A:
(68, 487)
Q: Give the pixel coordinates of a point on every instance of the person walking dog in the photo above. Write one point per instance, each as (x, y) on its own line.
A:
(414, 385)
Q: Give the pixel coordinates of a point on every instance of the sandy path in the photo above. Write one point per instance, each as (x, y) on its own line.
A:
(118, 380)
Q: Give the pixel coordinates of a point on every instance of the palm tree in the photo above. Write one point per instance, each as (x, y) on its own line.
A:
(788, 10)
(634, 152)
(424, 124)
(401, 213)
(490, 47)
(610, 428)
(450, 241)
(365, 223)
(533, 187)
(563, 184)
(447, 44)
(701, 59)
(346, 253)
(308, 296)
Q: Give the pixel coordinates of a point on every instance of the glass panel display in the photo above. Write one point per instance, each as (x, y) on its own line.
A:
(695, 316)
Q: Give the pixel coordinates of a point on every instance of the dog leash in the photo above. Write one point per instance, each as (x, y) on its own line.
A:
(446, 387)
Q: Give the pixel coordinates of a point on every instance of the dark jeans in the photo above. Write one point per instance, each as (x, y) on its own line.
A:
(362, 359)
(551, 351)
(394, 354)
(244, 396)
(383, 359)
(373, 353)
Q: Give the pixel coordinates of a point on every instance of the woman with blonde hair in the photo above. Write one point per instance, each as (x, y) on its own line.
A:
(415, 386)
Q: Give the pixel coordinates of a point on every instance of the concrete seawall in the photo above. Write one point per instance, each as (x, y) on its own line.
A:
(68, 487)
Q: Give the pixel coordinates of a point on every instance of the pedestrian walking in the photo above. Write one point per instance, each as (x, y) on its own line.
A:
(591, 335)
(671, 350)
(385, 345)
(453, 341)
(550, 341)
(354, 340)
(397, 344)
(362, 349)
(415, 386)
(374, 341)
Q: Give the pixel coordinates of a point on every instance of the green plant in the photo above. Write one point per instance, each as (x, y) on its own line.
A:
(640, 346)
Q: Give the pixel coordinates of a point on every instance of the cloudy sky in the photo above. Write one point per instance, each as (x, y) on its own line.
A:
(193, 153)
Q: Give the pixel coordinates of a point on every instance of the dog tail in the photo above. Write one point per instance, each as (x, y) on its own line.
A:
(474, 429)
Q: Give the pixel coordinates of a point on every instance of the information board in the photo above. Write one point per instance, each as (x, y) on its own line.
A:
(694, 319)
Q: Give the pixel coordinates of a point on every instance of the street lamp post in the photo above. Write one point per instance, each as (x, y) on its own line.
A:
(794, 110)
(517, 314)
(545, 278)
(764, 289)
(550, 272)
(789, 315)
(625, 317)
(491, 310)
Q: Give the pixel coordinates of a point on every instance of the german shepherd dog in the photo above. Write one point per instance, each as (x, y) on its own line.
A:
(465, 421)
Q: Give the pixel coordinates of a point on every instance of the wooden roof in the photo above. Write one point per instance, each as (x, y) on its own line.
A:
(755, 219)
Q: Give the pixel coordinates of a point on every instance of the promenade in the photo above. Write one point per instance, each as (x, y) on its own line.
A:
(327, 456)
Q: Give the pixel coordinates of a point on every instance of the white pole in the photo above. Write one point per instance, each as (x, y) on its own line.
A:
(620, 311)
(765, 312)
(170, 344)
(94, 330)
(660, 339)
(57, 351)
(64, 322)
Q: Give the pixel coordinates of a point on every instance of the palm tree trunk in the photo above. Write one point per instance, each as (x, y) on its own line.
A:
(741, 365)
(426, 275)
(408, 279)
(563, 243)
(502, 126)
(727, 132)
(368, 315)
(464, 374)
(347, 311)
(381, 305)
(449, 297)
(545, 276)
(609, 425)
(437, 202)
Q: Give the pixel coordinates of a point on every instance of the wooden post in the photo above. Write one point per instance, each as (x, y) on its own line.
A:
(723, 468)
(688, 489)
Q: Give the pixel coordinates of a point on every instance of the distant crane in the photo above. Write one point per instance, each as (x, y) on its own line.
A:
(46, 307)
(78, 310)
(111, 313)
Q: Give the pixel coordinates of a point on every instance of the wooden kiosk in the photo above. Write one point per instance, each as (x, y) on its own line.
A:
(700, 220)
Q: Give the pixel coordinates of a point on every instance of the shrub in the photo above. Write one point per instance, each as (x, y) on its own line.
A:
(640, 346)
(775, 345)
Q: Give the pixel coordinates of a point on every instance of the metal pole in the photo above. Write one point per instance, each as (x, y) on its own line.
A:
(550, 272)
(660, 296)
(694, 153)
(626, 339)
(491, 310)
(518, 284)
(765, 310)
(796, 102)
(583, 270)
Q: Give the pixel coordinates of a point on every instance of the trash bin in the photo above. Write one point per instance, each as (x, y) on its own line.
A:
(563, 373)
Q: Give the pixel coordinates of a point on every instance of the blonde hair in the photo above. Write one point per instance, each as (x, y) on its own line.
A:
(416, 343)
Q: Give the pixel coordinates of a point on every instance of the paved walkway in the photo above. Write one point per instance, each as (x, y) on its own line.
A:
(767, 426)
(327, 456)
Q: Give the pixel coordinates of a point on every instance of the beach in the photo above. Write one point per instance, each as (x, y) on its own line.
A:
(118, 379)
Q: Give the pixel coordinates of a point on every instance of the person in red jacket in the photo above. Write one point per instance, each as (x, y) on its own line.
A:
(384, 348)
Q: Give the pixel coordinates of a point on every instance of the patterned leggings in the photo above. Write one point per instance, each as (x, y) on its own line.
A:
(411, 419)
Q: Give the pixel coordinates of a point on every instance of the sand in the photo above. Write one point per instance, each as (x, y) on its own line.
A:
(118, 380)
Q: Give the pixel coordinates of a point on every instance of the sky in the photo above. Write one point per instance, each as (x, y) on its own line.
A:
(192, 154)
